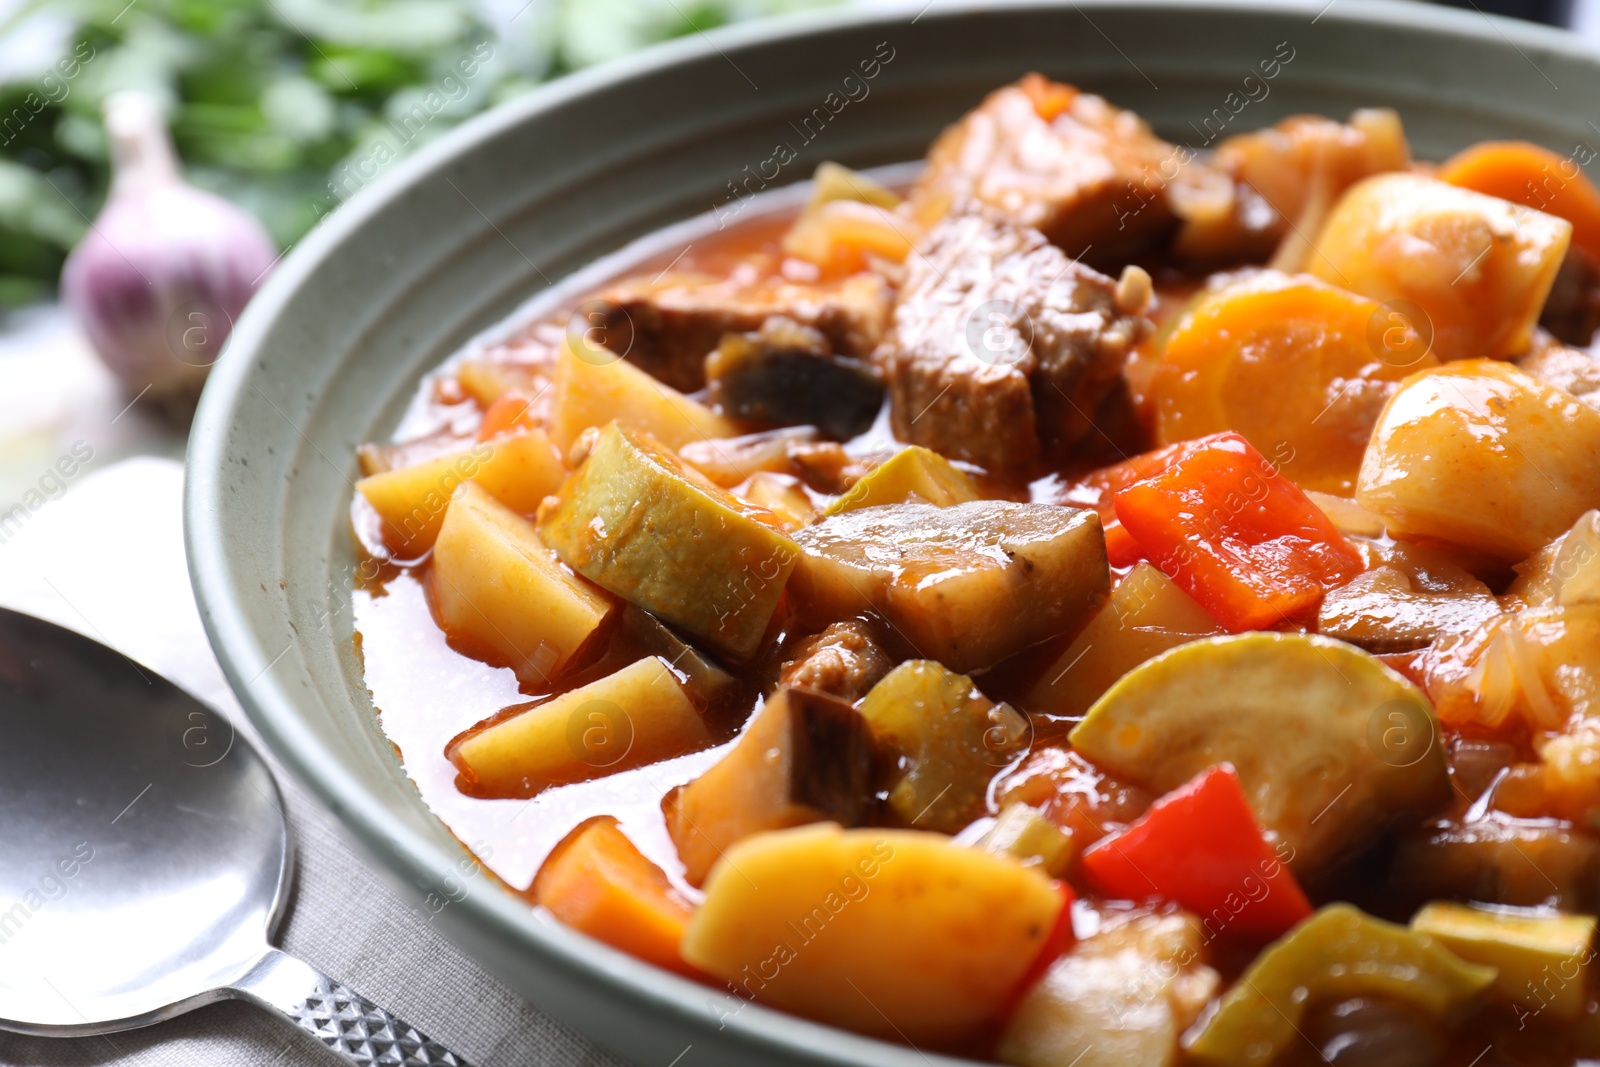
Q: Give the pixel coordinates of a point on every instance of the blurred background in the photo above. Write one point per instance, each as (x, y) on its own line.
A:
(284, 108)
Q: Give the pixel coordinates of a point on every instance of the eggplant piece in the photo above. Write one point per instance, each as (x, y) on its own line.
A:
(786, 374)
(1380, 612)
(708, 684)
(967, 585)
(1337, 953)
(1369, 1032)
(633, 520)
(1329, 744)
(1499, 862)
(948, 741)
(845, 660)
(805, 757)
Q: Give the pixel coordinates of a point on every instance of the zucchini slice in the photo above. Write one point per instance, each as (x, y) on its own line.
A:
(1329, 743)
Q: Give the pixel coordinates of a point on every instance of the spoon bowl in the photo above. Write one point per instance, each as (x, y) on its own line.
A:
(147, 858)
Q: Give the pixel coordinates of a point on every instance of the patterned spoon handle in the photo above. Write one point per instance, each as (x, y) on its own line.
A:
(348, 1023)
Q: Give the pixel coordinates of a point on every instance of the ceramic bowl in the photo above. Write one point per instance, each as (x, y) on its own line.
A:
(455, 237)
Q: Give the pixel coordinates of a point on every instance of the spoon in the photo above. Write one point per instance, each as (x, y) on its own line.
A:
(146, 858)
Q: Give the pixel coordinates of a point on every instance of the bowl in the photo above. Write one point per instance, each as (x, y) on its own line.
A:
(453, 239)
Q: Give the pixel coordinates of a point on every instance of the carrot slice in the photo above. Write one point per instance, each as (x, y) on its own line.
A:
(509, 411)
(1121, 549)
(600, 884)
(1049, 98)
(1236, 535)
(1528, 174)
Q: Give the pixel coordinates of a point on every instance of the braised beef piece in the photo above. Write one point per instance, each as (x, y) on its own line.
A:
(1000, 347)
(844, 660)
(669, 325)
(786, 374)
(1572, 310)
(1285, 178)
(1088, 175)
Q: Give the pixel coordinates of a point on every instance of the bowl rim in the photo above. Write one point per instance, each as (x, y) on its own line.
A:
(246, 661)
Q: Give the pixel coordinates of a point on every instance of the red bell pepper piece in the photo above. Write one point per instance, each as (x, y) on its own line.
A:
(1236, 535)
(1200, 847)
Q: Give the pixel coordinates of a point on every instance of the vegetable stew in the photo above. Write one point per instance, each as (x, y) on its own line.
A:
(1085, 603)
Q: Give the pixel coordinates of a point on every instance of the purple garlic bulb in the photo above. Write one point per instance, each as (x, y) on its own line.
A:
(163, 273)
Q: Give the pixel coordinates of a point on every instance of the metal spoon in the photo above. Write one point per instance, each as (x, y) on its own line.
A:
(144, 858)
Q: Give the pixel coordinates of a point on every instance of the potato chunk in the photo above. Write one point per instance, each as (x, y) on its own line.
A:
(1484, 457)
(592, 388)
(635, 716)
(933, 936)
(948, 740)
(520, 469)
(1478, 267)
(1146, 615)
(498, 586)
(1118, 998)
(950, 581)
(912, 474)
(805, 757)
(631, 520)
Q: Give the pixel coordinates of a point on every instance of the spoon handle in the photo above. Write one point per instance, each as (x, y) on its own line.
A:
(360, 1031)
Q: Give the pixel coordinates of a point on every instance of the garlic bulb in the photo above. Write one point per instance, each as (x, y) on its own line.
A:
(162, 274)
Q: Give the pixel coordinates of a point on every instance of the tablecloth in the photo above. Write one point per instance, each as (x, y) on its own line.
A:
(101, 551)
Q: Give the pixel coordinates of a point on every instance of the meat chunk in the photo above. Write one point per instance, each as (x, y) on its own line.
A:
(668, 325)
(1000, 346)
(1286, 179)
(786, 374)
(1091, 177)
(1572, 310)
(844, 660)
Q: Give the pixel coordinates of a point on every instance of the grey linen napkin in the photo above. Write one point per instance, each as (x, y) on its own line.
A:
(106, 558)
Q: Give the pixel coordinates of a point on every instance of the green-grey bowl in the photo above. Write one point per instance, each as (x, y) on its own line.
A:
(451, 240)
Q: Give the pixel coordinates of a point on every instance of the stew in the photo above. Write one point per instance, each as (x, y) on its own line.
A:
(1090, 602)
